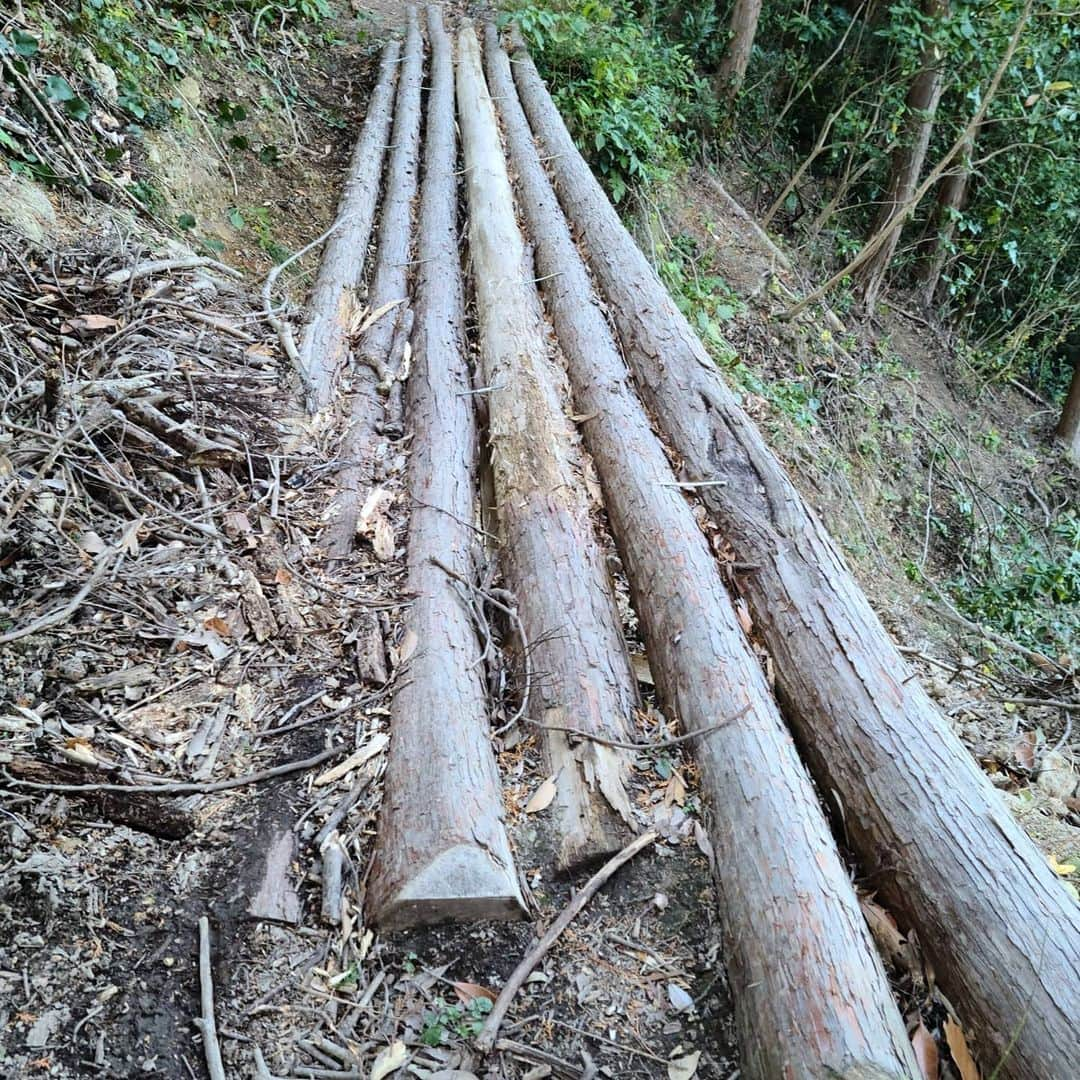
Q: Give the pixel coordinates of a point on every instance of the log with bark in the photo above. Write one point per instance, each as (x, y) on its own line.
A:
(811, 995)
(376, 366)
(551, 555)
(324, 346)
(442, 850)
(933, 837)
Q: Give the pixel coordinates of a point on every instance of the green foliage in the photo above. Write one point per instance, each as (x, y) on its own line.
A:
(464, 1021)
(629, 95)
(1028, 586)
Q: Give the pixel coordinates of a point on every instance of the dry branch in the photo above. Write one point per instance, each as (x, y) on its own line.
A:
(933, 836)
(553, 562)
(811, 996)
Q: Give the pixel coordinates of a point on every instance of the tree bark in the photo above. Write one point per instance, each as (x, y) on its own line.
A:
(442, 851)
(744, 20)
(324, 347)
(1068, 429)
(907, 162)
(951, 198)
(552, 559)
(375, 368)
(812, 997)
(933, 836)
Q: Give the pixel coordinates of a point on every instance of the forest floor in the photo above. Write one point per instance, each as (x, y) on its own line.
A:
(219, 644)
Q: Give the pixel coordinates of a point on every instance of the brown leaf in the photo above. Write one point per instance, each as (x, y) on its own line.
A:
(744, 615)
(961, 1055)
(542, 797)
(407, 646)
(90, 323)
(468, 991)
(1024, 749)
(382, 540)
(926, 1052)
(282, 576)
(883, 930)
(218, 625)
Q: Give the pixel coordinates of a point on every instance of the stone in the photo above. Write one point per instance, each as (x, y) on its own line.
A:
(26, 209)
(1056, 776)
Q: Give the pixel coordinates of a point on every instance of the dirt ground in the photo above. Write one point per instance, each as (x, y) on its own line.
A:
(212, 654)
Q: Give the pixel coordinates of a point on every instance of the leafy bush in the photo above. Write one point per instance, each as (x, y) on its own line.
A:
(630, 97)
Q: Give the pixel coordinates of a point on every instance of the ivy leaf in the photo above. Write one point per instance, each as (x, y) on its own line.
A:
(58, 88)
(25, 44)
(236, 218)
(77, 108)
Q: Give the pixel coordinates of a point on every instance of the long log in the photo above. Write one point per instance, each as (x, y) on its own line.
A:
(324, 346)
(442, 851)
(375, 367)
(932, 835)
(552, 558)
(811, 995)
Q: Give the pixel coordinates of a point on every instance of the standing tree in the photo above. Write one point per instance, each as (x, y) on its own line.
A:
(1068, 429)
(908, 157)
(744, 20)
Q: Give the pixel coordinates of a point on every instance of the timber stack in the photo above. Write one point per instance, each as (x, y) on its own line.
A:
(581, 361)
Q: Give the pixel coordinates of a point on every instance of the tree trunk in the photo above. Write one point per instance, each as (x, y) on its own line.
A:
(324, 347)
(744, 20)
(442, 850)
(375, 368)
(933, 836)
(907, 162)
(1068, 429)
(553, 561)
(951, 198)
(812, 998)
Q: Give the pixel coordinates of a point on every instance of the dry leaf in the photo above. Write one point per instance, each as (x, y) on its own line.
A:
(926, 1054)
(683, 1068)
(377, 314)
(642, 671)
(743, 613)
(468, 991)
(542, 797)
(407, 646)
(1060, 868)
(1024, 749)
(389, 1060)
(883, 930)
(79, 750)
(680, 1000)
(371, 749)
(90, 323)
(282, 576)
(961, 1055)
(217, 624)
(675, 790)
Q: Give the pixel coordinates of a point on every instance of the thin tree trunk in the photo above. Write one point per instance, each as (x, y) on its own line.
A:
(324, 347)
(1068, 429)
(951, 198)
(811, 995)
(375, 368)
(442, 850)
(933, 836)
(907, 162)
(744, 20)
(553, 561)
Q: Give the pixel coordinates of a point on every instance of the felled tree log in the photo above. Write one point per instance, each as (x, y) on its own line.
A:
(932, 835)
(811, 995)
(324, 347)
(374, 370)
(551, 556)
(442, 850)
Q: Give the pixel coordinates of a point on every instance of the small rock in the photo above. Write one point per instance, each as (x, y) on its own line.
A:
(43, 1027)
(1056, 776)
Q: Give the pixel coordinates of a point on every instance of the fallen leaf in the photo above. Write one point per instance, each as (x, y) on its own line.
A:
(90, 323)
(683, 1068)
(675, 790)
(407, 646)
(382, 540)
(282, 576)
(701, 838)
(1059, 868)
(468, 991)
(743, 613)
(371, 749)
(1024, 750)
(961, 1055)
(217, 624)
(389, 1060)
(542, 797)
(883, 930)
(926, 1054)
(79, 750)
(680, 1000)
(376, 315)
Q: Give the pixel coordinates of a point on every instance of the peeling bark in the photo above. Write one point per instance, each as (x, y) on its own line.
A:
(552, 559)
(324, 347)
(933, 836)
(811, 995)
(442, 851)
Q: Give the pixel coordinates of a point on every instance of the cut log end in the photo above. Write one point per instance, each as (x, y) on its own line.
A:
(461, 884)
